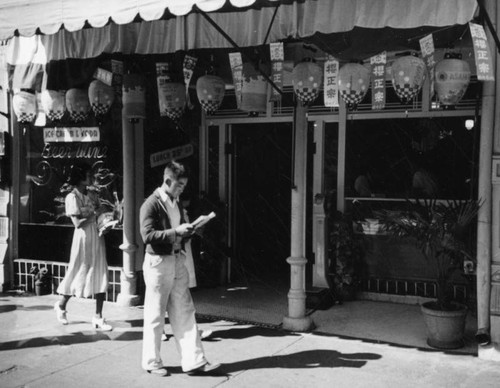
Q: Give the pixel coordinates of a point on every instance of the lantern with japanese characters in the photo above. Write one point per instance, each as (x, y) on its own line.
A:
(133, 97)
(408, 76)
(78, 105)
(24, 105)
(353, 82)
(53, 104)
(307, 77)
(172, 99)
(451, 81)
(101, 97)
(254, 89)
(210, 90)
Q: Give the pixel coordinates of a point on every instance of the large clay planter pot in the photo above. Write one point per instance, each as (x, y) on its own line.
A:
(445, 329)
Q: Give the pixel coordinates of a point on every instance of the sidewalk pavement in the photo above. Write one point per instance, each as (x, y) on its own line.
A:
(36, 351)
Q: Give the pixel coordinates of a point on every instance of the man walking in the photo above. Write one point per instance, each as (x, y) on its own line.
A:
(164, 230)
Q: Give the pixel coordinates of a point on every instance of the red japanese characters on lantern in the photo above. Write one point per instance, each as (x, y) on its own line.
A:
(353, 82)
(101, 97)
(133, 97)
(307, 77)
(452, 79)
(254, 89)
(53, 104)
(408, 76)
(210, 90)
(78, 105)
(24, 105)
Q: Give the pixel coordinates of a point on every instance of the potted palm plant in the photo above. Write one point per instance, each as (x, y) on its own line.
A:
(439, 229)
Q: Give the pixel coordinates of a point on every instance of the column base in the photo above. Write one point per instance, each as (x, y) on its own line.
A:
(489, 352)
(127, 300)
(298, 324)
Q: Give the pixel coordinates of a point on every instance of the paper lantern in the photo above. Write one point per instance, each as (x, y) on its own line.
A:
(101, 97)
(307, 77)
(78, 105)
(134, 97)
(53, 104)
(353, 82)
(254, 89)
(451, 81)
(408, 76)
(24, 105)
(172, 99)
(210, 90)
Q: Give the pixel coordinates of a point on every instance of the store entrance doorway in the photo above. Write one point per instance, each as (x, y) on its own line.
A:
(261, 183)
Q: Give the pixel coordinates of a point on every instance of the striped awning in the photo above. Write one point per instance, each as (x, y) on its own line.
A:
(28, 17)
(143, 27)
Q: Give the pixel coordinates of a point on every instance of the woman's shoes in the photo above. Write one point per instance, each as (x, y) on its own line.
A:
(100, 323)
(60, 314)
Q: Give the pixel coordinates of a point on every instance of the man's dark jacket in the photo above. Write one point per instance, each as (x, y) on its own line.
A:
(156, 228)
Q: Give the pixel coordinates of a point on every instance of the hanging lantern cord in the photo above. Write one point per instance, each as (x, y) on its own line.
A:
(235, 45)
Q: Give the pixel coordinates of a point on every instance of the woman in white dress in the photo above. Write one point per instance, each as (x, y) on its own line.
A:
(87, 274)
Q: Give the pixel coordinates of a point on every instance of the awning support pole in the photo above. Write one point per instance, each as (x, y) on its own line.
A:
(297, 320)
(235, 45)
(487, 19)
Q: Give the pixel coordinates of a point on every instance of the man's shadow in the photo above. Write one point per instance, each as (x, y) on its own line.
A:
(307, 359)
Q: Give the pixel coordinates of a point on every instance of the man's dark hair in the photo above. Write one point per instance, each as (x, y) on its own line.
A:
(175, 170)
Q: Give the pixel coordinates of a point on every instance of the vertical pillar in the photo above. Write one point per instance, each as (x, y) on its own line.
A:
(488, 247)
(128, 279)
(296, 320)
(320, 240)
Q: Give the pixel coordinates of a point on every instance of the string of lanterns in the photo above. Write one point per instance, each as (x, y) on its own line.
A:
(452, 77)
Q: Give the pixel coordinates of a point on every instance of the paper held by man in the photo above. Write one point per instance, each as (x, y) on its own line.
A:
(202, 220)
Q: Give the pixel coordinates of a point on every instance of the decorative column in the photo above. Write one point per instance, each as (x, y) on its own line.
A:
(296, 320)
(132, 115)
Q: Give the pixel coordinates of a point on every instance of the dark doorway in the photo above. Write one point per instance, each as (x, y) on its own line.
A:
(262, 160)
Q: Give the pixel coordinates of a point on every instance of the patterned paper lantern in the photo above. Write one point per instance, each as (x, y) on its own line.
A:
(307, 77)
(408, 76)
(134, 97)
(173, 99)
(53, 104)
(24, 105)
(451, 81)
(101, 97)
(77, 102)
(254, 89)
(210, 90)
(353, 82)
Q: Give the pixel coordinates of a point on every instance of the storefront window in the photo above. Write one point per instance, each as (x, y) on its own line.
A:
(48, 154)
(411, 158)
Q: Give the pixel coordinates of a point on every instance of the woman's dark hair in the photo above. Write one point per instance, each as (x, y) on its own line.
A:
(78, 173)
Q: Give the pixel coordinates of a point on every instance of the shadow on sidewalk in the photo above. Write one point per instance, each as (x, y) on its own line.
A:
(308, 359)
(71, 339)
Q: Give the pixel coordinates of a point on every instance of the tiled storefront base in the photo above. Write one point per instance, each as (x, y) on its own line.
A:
(26, 281)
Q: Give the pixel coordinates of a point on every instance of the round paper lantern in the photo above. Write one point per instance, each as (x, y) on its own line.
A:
(53, 104)
(451, 81)
(77, 102)
(172, 99)
(134, 97)
(253, 89)
(307, 77)
(353, 82)
(101, 97)
(210, 90)
(24, 105)
(408, 75)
